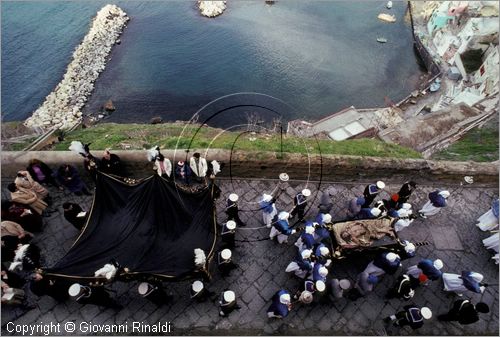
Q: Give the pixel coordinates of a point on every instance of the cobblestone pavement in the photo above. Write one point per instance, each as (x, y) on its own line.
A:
(452, 235)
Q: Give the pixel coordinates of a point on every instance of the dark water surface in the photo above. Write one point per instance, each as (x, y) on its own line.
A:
(318, 57)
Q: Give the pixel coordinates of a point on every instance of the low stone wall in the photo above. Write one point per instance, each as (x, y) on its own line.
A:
(267, 165)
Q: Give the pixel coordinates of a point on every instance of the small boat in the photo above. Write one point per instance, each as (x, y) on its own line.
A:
(381, 39)
(108, 106)
(386, 17)
(434, 86)
(389, 5)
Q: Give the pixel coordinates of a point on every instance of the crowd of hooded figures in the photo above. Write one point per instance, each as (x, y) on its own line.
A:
(23, 216)
(313, 261)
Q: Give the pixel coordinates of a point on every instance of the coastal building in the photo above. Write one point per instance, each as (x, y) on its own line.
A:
(426, 9)
(460, 36)
(431, 132)
(488, 74)
(481, 83)
(348, 123)
(439, 18)
(466, 42)
(457, 36)
(476, 30)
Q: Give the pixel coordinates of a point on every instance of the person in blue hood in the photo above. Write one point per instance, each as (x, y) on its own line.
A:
(437, 200)
(281, 305)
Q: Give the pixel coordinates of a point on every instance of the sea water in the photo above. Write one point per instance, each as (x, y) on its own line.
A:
(314, 57)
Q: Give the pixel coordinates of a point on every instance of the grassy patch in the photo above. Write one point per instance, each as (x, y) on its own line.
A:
(18, 146)
(19, 136)
(171, 136)
(472, 60)
(479, 145)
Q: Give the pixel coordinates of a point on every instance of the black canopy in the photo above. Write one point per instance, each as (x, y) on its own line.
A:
(150, 227)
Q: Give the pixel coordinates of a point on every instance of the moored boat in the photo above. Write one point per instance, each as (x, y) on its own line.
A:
(109, 106)
(381, 39)
(387, 17)
(435, 86)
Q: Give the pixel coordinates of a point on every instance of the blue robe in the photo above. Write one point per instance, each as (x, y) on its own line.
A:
(283, 227)
(278, 308)
(365, 213)
(307, 240)
(393, 213)
(407, 255)
(316, 275)
(322, 233)
(317, 252)
(309, 286)
(266, 207)
(429, 270)
(70, 179)
(470, 283)
(304, 264)
(494, 208)
(354, 207)
(436, 199)
(384, 264)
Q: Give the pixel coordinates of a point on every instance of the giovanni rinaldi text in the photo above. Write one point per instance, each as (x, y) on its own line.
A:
(41, 328)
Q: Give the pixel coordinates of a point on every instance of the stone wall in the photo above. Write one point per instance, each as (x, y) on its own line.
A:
(266, 165)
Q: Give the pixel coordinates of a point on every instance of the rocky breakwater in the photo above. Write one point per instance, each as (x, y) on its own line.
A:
(62, 107)
(211, 8)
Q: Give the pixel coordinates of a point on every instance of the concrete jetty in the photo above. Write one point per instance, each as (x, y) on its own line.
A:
(62, 107)
(211, 9)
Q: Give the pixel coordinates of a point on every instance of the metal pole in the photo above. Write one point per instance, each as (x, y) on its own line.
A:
(281, 136)
(411, 20)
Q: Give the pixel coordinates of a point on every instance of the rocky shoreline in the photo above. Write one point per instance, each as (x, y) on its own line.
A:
(62, 107)
(211, 9)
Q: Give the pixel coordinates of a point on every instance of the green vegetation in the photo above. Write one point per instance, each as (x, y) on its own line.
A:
(472, 60)
(21, 145)
(171, 136)
(15, 136)
(479, 144)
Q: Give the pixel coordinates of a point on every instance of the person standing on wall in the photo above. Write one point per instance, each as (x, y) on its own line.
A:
(199, 167)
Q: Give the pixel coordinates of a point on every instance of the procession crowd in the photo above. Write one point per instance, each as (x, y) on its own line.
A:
(316, 253)
(366, 221)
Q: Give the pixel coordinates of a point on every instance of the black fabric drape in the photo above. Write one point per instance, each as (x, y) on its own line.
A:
(150, 228)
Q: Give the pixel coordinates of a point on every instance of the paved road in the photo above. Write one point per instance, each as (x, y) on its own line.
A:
(452, 235)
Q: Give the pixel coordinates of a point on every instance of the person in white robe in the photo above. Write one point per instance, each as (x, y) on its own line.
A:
(489, 220)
